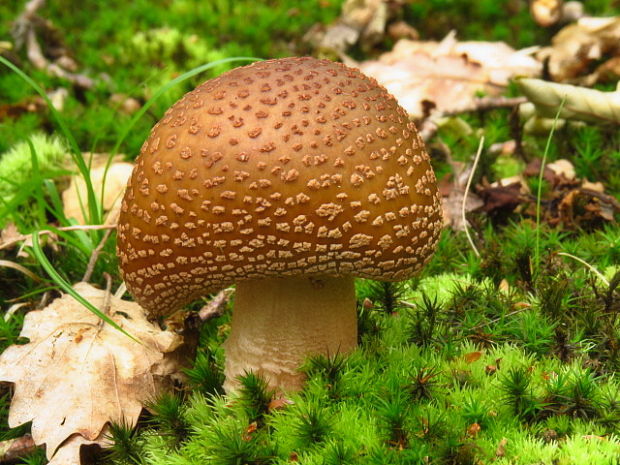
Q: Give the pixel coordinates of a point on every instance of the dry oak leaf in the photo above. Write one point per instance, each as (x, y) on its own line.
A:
(77, 374)
(447, 75)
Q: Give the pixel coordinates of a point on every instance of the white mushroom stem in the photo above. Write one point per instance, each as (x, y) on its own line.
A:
(277, 323)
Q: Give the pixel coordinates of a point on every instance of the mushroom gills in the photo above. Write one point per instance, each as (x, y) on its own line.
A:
(277, 323)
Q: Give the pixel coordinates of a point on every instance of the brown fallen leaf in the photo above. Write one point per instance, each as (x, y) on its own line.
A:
(490, 369)
(501, 448)
(577, 46)
(471, 357)
(77, 374)
(473, 430)
(279, 403)
(500, 200)
(448, 75)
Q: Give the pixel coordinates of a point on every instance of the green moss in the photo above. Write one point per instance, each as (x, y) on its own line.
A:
(16, 164)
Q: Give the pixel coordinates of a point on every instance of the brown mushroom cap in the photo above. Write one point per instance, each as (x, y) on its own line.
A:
(286, 167)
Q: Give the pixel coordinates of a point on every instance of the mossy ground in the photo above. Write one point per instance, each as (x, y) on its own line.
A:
(506, 358)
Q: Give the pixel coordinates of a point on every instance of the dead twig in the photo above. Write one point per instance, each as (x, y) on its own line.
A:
(14, 449)
(95, 255)
(25, 35)
(36, 57)
(430, 125)
(44, 232)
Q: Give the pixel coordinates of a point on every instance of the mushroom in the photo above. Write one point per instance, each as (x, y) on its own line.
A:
(288, 177)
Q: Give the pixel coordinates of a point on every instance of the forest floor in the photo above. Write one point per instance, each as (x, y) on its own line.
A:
(504, 350)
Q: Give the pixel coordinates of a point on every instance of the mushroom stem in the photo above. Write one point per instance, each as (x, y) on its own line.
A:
(278, 322)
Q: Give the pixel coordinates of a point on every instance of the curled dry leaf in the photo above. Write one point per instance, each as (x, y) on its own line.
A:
(74, 198)
(77, 374)
(580, 45)
(580, 103)
(447, 75)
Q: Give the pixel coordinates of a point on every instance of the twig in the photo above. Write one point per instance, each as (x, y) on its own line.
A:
(430, 125)
(216, 306)
(24, 33)
(78, 227)
(95, 255)
(24, 22)
(14, 449)
(471, 176)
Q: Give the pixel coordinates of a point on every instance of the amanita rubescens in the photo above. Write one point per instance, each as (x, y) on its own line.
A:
(288, 177)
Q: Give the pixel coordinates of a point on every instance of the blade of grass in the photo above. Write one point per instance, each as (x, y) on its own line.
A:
(37, 178)
(75, 150)
(65, 286)
(539, 189)
(596, 272)
(466, 193)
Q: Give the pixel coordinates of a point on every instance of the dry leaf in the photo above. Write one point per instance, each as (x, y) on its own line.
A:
(471, 357)
(279, 404)
(473, 430)
(76, 374)
(564, 168)
(580, 103)
(69, 452)
(499, 199)
(447, 75)
(577, 46)
(501, 448)
(74, 197)
(490, 369)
